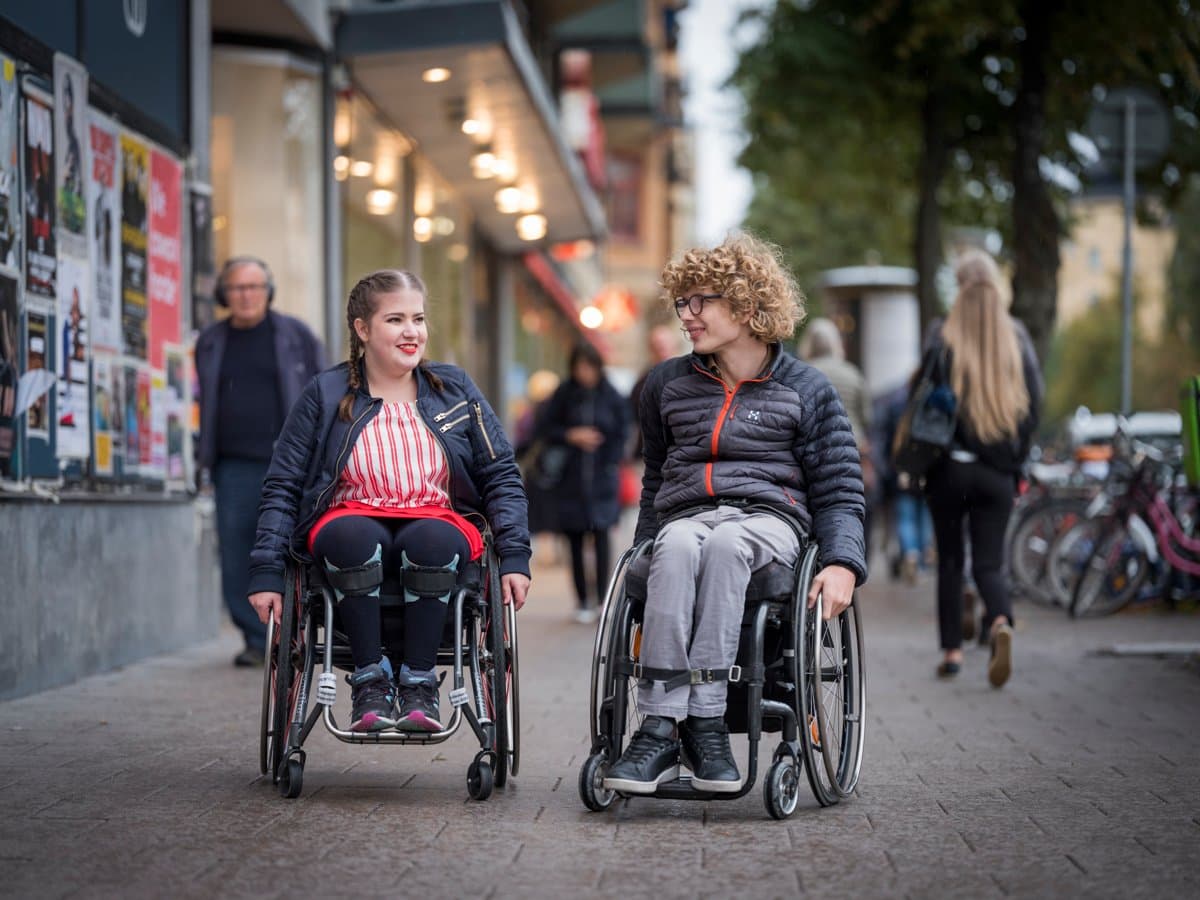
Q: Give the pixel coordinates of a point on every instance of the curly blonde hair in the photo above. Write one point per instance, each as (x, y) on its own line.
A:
(750, 274)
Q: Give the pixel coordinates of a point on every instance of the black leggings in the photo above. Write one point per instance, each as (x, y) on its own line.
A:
(352, 541)
(600, 541)
(984, 496)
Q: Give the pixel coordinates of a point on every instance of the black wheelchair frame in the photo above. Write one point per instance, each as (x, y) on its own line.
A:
(820, 671)
(481, 651)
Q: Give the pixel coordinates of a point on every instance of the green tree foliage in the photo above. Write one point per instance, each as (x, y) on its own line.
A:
(1084, 365)
(948, 108)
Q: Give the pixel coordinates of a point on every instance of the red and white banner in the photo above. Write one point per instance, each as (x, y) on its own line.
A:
(165, 254)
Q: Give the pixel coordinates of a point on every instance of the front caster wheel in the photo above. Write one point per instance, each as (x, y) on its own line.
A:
(591, 784)
(781, 788)
(291, 778)
(479, 779)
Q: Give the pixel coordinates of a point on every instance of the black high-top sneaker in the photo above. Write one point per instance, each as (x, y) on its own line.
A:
(651, 758)
(705, 750)
(373, 699)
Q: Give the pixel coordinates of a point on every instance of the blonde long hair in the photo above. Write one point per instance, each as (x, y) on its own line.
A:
(986, 372)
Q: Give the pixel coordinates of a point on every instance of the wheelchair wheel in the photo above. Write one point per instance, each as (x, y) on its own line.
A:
(832, 696)
(496, 675)
(268, 697)
(781, 788)
(615, 632)
(284, 661)
(591, 784)
(513, 727)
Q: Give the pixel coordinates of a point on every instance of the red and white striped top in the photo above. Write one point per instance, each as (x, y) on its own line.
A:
(396, 464)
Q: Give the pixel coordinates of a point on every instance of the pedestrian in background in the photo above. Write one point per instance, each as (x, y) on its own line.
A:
(663, 344)
(251, 368)
(900, 495)
(585, 423)
(994, 374)
(821, 347)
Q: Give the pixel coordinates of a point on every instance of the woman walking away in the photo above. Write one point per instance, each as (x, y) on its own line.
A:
(586, 422)
(993, 371)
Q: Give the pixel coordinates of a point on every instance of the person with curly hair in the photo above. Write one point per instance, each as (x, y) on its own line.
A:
(737, 425)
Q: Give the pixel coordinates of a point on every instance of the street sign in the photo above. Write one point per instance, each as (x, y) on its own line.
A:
(1152, 127)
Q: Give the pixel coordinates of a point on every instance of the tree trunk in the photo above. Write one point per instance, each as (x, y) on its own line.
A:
(927, 249)
(1036, 229)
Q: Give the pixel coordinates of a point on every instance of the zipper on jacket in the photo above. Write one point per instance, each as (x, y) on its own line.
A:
(337, 468)
(446, 412)
(444, 428)
(437, 436)
(487, 440)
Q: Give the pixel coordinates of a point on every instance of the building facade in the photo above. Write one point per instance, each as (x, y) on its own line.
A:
(330, 138)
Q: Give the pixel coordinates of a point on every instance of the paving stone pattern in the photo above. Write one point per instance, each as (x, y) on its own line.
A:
(1079, 778)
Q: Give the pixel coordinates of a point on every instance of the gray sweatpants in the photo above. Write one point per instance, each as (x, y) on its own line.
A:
(695, 599)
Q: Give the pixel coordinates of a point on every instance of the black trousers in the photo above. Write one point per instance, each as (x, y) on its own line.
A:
(983, 496)
(578, 572)
(352, 541)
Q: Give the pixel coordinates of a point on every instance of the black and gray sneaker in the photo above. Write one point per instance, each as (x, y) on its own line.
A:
(651, 758)
(705, 750)
(373, 699)
(418, 702)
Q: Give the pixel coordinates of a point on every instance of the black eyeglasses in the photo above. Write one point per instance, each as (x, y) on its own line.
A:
(694, 303)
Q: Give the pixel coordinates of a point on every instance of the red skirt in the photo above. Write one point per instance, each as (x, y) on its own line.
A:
(352, 508)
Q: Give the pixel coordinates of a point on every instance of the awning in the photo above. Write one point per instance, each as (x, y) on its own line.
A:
(493, 76)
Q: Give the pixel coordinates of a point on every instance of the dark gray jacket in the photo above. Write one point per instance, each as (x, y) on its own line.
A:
(299, 356)
(782, 439)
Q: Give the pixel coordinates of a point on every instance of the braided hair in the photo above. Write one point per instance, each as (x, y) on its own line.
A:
(362, 305)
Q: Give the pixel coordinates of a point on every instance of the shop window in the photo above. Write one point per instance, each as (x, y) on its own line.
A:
(441, 229)
(624, 196)
(267, 172)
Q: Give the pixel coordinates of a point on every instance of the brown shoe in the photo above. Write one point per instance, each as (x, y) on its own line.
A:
(1000, 665)
(968, 622)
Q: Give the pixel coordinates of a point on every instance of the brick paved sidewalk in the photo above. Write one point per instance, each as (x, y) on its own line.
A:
(1079, 778)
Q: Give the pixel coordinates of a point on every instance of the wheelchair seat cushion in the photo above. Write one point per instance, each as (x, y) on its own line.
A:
(768, 583)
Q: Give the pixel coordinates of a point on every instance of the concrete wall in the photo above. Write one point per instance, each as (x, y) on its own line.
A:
(89, 585)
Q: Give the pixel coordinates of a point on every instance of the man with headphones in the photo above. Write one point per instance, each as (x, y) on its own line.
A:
(251, 367)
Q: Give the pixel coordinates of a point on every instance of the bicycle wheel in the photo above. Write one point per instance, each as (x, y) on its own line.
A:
(1113, 575)
(1029, 548)
(1069, 553)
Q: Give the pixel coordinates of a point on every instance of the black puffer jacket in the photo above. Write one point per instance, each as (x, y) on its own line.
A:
(782, 439)
(313, 448)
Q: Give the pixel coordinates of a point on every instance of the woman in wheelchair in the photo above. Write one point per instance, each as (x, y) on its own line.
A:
(382, 465)
(737, 424)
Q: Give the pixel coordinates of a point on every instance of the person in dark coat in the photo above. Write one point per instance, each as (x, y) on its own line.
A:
(582, 429)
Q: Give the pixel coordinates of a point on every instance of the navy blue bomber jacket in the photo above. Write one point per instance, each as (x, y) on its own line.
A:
(315, 444)
(781, 439)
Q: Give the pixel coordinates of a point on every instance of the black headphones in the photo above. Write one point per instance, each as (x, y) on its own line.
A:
(233, 262)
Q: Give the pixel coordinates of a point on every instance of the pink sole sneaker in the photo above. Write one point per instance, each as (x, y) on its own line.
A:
(372, 722)
(418, 721)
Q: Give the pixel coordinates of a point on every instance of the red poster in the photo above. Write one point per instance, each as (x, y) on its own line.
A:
(164, 286)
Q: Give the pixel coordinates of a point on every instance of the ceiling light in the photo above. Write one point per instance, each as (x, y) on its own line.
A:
(508, 199)
(342, 124)
(436, 75)
(591, 317)
(472, 126)
(457, 252)
(341, 164)
(482, 164)
(361, 168)
(504, 168)
(443, 226)
(531, 227)
(422, 228)
(381, 202)
(531, 198)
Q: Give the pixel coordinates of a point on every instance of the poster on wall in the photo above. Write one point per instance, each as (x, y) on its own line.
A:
(164, 254)
(37, 364)
(104, 246)
(70, 136)
(10, 372)
(10, 168)
(177, 412)
(40, 249)
(145, 422)
(135, 185)
(131, 458)
(204, 265)
(158, 424)
(73, 407)
(104, 406)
